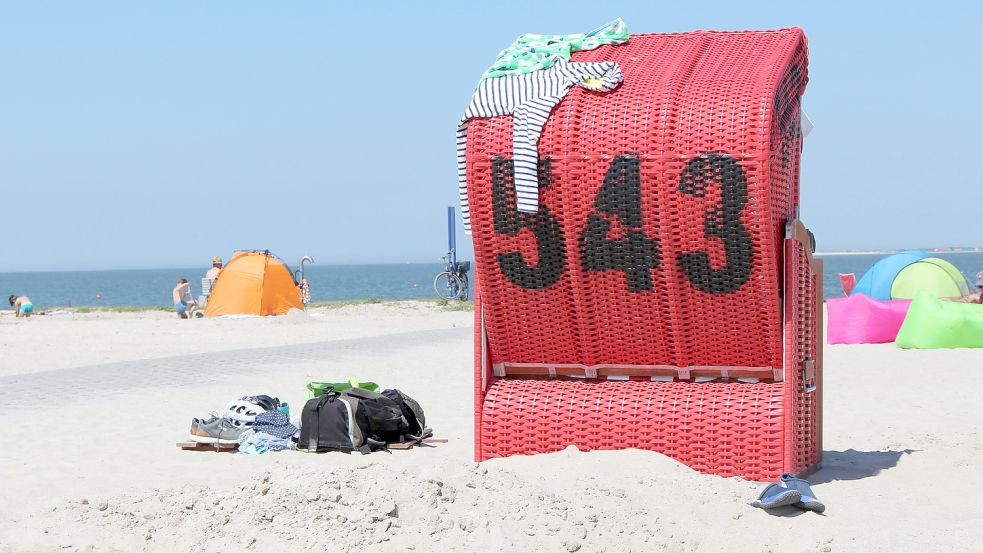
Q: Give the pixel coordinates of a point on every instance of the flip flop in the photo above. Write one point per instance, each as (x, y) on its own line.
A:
(774, 496)
(807, 499)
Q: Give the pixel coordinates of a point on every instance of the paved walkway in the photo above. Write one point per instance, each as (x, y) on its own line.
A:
(35, 390)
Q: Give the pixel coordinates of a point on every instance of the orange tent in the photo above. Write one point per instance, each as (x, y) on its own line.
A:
(254, 283)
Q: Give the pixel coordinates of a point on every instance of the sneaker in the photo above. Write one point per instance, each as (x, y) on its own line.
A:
(218, 431)
(774, 496)
(808, 499)
(211, 418)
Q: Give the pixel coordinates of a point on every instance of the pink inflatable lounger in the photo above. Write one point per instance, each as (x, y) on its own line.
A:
(859, 319)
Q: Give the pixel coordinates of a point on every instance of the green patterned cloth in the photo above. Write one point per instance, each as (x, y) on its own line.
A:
(536, 52)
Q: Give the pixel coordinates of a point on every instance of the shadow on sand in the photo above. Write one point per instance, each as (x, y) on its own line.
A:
(854, 465)
(845, 465)
(787, 512)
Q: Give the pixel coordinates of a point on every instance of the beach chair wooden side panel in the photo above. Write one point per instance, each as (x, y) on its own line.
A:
(803, 320)
(482, 366)
(479, 392)
(817, 269)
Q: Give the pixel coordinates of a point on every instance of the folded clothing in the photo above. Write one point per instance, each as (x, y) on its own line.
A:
(252, 442)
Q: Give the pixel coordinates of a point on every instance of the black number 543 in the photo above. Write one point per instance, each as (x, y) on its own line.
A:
(634, 252)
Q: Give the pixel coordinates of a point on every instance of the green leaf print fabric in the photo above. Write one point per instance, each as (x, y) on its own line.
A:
(531, 52)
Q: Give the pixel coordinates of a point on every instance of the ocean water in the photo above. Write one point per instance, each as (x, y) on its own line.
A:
(152, 287)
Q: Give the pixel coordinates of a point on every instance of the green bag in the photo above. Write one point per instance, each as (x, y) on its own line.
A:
(316, 389)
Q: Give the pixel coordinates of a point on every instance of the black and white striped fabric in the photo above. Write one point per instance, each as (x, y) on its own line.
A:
(529, 98)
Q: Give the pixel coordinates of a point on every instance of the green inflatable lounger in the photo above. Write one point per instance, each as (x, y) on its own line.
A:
(932, 323)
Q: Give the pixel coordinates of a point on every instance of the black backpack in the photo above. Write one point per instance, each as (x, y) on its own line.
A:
(352, 420)
(331, 422)
(358, 419)
(384, 415)
(413, 413)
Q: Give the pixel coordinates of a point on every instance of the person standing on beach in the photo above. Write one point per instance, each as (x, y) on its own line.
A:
(22, 305)
(212, 273)
(184, 307)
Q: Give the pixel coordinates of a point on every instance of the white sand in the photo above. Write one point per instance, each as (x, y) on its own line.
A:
(72, 340)
(89, 463)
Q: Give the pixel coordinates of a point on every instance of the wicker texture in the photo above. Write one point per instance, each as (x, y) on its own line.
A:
(727, 429)
(659, 241)
(683, 96)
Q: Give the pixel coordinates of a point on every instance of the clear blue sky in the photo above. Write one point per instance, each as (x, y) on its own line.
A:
(142, 135)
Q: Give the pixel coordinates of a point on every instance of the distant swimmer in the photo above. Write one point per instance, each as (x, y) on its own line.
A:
(22, 305)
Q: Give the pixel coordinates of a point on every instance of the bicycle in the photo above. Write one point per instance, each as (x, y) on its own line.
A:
(305, 286)
(452, 283)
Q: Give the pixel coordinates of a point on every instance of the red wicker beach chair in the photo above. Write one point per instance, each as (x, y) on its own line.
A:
(664, 296)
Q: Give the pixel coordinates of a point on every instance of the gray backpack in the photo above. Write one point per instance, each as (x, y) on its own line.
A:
(416, 421)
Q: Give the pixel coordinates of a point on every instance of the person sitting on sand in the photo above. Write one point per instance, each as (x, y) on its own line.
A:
(22, 305)
(212, 273)
(183, 302)
(972, 297)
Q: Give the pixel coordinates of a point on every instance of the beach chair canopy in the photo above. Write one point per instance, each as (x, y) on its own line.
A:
(254, 283)
(903, 275)
(664, 204)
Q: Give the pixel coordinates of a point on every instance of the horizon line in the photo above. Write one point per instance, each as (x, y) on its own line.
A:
(197, 267)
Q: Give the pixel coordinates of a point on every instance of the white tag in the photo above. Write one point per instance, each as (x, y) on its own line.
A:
(805, 123)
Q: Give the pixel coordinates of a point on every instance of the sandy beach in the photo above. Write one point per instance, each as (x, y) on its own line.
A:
(94, 403)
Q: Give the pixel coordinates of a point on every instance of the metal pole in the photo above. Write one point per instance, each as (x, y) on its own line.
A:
(451, 236)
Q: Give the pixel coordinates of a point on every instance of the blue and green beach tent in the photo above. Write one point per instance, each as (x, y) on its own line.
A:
(903, 275)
